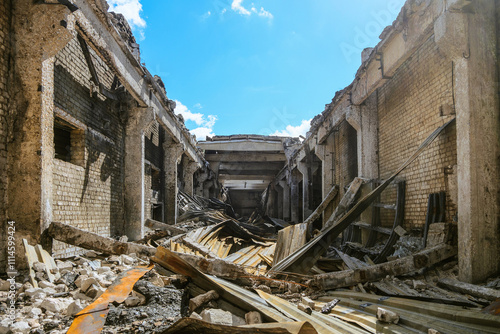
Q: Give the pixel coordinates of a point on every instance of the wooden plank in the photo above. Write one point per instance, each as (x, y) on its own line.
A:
(471, 289)
(49, 262)
(156, 225)
(319, 210)
(291, 311)
(449, 312)
(402, 266)
(345, 203)
(31, 257)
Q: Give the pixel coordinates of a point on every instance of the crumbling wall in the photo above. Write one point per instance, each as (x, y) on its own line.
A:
(410, 107)
(5, 14)
(88, 189)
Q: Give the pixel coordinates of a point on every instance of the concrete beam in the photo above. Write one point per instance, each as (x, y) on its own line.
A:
(248, 145)
(242, 157)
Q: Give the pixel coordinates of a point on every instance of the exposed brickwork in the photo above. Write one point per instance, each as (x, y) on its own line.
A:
(409, 110)
(4, 100)
(88, 191)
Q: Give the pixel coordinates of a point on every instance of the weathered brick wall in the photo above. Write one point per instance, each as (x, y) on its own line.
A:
(409, 110)
(4, 100)
(88, 193)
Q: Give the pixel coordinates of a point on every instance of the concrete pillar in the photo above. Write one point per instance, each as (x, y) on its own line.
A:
(31, 151)
(304, 169)
(200, 177)
(139, 119)
(294, 196)
(468, 38)
(172, 155)
(286, 200)
(326, 153)
(190, 167)
(279, 191)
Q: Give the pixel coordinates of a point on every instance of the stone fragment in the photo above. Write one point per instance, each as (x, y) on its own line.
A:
(74, 308)
(419, 285)
(80, 279)
(123, 238)
(387, 316)
(132, 301)
(114, 259)
(61, 288)
(39, 266)
(41, 276)
(46, 284)
(304, 308)
(64, 265)
(49, 291)
(103, 270)
(221, 317)
(4, 285)
(87, 283)
(35, 293)
(91, 254)
(20, 327)
(253, 317)
(55, 305)
(128, 260)
(94, 291)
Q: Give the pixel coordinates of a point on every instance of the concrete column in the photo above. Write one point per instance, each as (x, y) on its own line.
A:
(31, 151)
(201, 177)
(328, 174)
(304, 169)
(469, 39)
(366, 124)
(294, 196)
(286, 200)
(190, 167)
(172, 153)
(279, 191)
(139, 119)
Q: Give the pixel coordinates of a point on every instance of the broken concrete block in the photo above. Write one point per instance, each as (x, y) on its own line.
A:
(34, 312)
(64, 265)
(304, 308)
(20, 327)
(61, 288)
(87, 283)
(55, 305)
(388, 316)
(94, 291)
(132, 301)
(4, 285)
(91, 254)
(221, 317)
(41, 276)
(102, 270)
(253, 317)
(128, 260)
(35, 293)
(46, 284)
(419, 285)
(195, 315)
(114, 259)
(39, 266)
(49, 291)
(74, 308)
(433, 331)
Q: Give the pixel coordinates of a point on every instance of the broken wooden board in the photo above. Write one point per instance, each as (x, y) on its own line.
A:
(156, 225)
(406, 265)
(447, 312)
(471, 289)
(88, 240)
(319, 210)
(49, 262)
(305, 258)
(345, 203)
(190, 325)
(31, 257)
(321, 323)
(289, 240)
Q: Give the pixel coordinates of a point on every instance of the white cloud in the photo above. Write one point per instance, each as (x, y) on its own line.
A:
(237, 7)
(294, 131)
(205, 123)
(265, 13)
(131, 9)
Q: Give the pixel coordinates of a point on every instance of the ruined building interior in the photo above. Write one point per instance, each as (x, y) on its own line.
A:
(385, 218)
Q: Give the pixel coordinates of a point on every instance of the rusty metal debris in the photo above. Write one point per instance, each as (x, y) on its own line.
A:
(91, 319)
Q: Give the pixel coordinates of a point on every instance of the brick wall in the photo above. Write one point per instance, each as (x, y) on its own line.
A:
(4, 100)
(88, 190)
(153, 184)
(409, 110)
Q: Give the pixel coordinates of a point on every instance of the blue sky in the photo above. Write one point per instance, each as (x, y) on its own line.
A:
(254, 67)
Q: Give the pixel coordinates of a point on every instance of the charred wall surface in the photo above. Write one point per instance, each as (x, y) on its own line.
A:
(88, 183)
